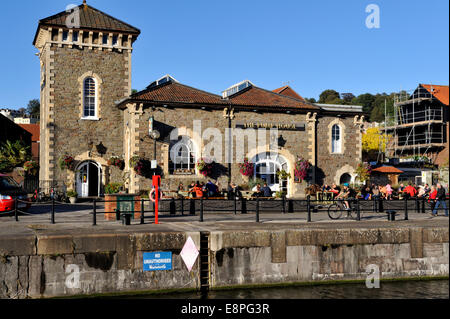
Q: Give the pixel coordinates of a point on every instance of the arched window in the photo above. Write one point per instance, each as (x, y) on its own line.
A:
(267, 166)
(90, 98)
(336, 139)
(182, 157)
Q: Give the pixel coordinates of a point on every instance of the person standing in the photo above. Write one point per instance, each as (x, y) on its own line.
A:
(440, 200)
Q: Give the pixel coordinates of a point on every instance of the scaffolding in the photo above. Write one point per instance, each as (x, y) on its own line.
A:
(416, 125)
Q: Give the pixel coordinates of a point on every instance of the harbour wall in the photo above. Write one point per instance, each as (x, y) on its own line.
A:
(76, 265)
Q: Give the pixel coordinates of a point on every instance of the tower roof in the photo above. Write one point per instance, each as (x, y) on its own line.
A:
(91, 19)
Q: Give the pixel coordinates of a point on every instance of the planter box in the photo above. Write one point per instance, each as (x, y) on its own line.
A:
(127, 202)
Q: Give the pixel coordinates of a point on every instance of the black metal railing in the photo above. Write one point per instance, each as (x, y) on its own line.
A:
(358, 209)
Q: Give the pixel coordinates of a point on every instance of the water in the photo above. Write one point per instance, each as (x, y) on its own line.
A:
(438, 289)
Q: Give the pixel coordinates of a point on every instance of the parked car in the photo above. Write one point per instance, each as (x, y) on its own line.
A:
(9, 190)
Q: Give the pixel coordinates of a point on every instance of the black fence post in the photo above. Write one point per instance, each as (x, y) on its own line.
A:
(406, 209)
(290, 206)
(53, 210)
(417, 205)
(423, 205)
(173, 207)
(284, 205)
(308, 207)
(192, 206)
(16, 215)
(358, 210)
(243, 206)
(257, 210)
(182, 205)
(235, 204)
(142, 211)
(94, 213)
(380, 205)
(201, 210)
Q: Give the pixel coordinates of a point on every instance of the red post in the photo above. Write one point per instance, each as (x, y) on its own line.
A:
(156, 184)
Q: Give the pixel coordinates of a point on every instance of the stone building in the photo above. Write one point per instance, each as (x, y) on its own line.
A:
(89, 114)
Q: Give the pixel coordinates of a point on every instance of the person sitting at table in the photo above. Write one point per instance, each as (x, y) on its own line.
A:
(258, 192)
(267, 192)
(335, 190)
(327, 189)
(365, 193)
(191, 190)
(198, 190)
(211, 189)
(180, 187)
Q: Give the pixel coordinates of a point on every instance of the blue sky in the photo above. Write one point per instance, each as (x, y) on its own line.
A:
(211, 45)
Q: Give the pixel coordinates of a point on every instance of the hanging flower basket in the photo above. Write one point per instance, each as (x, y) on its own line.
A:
(67, 162)
(301, 169)
(205, 167)
(247, 168)
(31, 168)
(117, 162)
(140, 166)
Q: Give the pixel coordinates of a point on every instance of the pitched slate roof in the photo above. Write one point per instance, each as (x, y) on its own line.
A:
(92, 19)
(257, 97)
(176, 93)
(288, 91)
(438, 91)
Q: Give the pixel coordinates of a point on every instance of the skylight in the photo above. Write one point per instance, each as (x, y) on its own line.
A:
(164, 79)
(236, 88)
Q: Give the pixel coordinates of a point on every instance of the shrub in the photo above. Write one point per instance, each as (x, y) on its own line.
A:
(72, 193)
(113, 188)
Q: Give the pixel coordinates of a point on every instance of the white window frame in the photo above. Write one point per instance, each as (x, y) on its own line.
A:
(187, 146)
(336, 143)
(90, 117)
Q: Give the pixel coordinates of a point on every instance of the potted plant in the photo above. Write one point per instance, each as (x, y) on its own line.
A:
(247, 168)
(113, 188)
(283, 175)
(72, 196)
(67, 162)
(205, 167)
(301, 169)
(117, 162)
(31, 168)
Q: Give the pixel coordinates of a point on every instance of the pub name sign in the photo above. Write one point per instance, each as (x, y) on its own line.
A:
(268, 126)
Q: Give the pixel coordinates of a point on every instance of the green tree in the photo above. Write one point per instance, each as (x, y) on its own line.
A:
(366, 101)
(311, 100)
(13, 154)
(34, 108)
(329, 97)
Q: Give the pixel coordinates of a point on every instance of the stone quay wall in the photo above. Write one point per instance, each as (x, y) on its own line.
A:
(39, 266)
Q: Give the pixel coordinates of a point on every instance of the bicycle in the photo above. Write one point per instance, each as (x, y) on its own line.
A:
(335, 210)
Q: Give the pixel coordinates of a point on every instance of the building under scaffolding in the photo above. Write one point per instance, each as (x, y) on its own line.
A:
(419, 125)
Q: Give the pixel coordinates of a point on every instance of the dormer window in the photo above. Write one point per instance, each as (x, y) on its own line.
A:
(105, 39)
(115, 40)
(65, 36)
(90, 99)
(75, 36)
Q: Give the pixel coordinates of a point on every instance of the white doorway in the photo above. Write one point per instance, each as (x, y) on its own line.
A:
(88, 179)
(267, 166)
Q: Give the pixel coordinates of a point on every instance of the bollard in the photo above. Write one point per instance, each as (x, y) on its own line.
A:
(290, 206)
(358, 210)
(16, 215)
(182, 206)
(94, 214)
(308, 207)
(142, 211)
(284, 205)
(243, 206)
(257, 210)
(235, 205)
(201, 210)
(173, 207)
(126, 219)
(53, 211)
(391, 215)
(117, 214)
(406, 209)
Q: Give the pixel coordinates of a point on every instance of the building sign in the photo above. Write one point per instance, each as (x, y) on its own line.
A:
(157, 261)
(271, 125)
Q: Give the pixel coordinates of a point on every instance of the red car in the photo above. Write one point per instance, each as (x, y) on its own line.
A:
(9, 190)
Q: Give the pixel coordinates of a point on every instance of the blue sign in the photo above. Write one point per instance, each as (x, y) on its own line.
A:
(157, 261)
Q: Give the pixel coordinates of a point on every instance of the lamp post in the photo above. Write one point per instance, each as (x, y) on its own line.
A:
(155, 135)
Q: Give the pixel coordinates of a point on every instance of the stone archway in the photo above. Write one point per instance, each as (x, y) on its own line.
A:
(346, 169)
